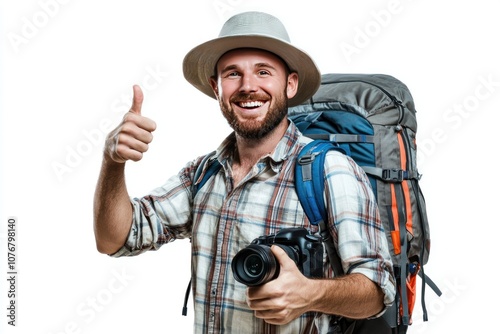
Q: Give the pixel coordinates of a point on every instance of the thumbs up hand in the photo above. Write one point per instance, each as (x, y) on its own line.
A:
(131, 138)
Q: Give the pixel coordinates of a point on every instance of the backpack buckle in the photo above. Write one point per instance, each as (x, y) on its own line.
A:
(307, 158)
(394, 175)
(306, 161)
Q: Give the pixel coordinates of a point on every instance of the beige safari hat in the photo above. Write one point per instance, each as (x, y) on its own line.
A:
(251, 30)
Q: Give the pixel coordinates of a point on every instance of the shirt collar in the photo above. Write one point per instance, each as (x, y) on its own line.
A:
(285, 148)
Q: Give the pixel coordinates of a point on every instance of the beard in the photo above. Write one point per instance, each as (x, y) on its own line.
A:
(253, 128)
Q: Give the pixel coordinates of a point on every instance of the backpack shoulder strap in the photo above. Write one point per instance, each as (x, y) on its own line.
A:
(211, 169)
(309, 178)
(310, 187)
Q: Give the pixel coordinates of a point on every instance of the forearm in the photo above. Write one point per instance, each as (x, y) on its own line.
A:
(112, 208)
(353, 296)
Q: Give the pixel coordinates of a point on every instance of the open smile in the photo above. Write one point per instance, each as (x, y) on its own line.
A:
(250, 104)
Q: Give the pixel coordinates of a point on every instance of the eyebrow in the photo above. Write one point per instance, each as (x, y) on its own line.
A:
(257, 66)
(264, 65)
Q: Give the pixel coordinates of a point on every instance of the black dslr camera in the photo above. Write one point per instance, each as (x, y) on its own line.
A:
(256, 264)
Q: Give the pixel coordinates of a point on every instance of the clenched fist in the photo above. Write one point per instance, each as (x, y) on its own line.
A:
(132, 136)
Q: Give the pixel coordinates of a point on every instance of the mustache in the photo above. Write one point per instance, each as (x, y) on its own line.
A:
(240, 97)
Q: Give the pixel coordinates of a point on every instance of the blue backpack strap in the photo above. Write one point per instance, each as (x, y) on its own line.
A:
(309, 178)
(310, 187)
(212, 169)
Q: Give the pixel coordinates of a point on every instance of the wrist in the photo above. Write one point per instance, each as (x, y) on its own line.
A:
(109, 162)
(317, 289)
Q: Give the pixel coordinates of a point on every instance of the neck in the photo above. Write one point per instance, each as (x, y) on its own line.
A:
(249, 151)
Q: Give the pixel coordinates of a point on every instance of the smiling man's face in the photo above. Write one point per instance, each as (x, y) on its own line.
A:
(253, 87)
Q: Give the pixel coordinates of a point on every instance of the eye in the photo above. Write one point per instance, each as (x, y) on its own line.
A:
(232, 74)
(263, 72)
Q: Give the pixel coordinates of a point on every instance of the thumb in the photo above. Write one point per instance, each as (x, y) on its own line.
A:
(137, 100)
(284, 260)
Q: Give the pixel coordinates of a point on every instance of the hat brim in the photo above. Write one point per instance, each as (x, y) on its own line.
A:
(199, 63)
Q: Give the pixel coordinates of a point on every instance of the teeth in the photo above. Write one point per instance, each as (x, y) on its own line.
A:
(251, 104)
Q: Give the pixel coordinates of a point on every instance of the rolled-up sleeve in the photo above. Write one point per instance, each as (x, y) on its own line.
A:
(159, 217)
(355, 220)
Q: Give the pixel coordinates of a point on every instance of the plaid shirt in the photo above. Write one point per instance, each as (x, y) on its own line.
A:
(223, 218)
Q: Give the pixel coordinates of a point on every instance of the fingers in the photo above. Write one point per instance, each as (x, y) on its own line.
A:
(281, 300)
(133, 135)
(258, 296)
(131, 142)
(135, 120)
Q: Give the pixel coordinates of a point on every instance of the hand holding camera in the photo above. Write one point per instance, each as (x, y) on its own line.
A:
(256, 264)
(285, 261)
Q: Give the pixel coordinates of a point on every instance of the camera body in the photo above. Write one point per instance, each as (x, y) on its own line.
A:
(256, 264)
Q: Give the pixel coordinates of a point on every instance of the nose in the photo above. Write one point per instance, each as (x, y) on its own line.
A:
(248, 83)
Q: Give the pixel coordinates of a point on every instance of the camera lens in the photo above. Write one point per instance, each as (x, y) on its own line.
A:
(255, 265)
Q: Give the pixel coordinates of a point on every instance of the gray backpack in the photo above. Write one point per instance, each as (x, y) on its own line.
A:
(372, 117)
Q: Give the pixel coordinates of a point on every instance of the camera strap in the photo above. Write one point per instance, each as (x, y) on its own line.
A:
(333, 256)
(186, 299)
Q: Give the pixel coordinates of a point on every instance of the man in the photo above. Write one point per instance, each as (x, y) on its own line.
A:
(255, 74)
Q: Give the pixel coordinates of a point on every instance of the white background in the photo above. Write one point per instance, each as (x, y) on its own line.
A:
(67, 70)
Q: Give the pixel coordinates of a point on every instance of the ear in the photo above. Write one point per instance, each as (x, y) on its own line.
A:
(292, 85)
(215, 86)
